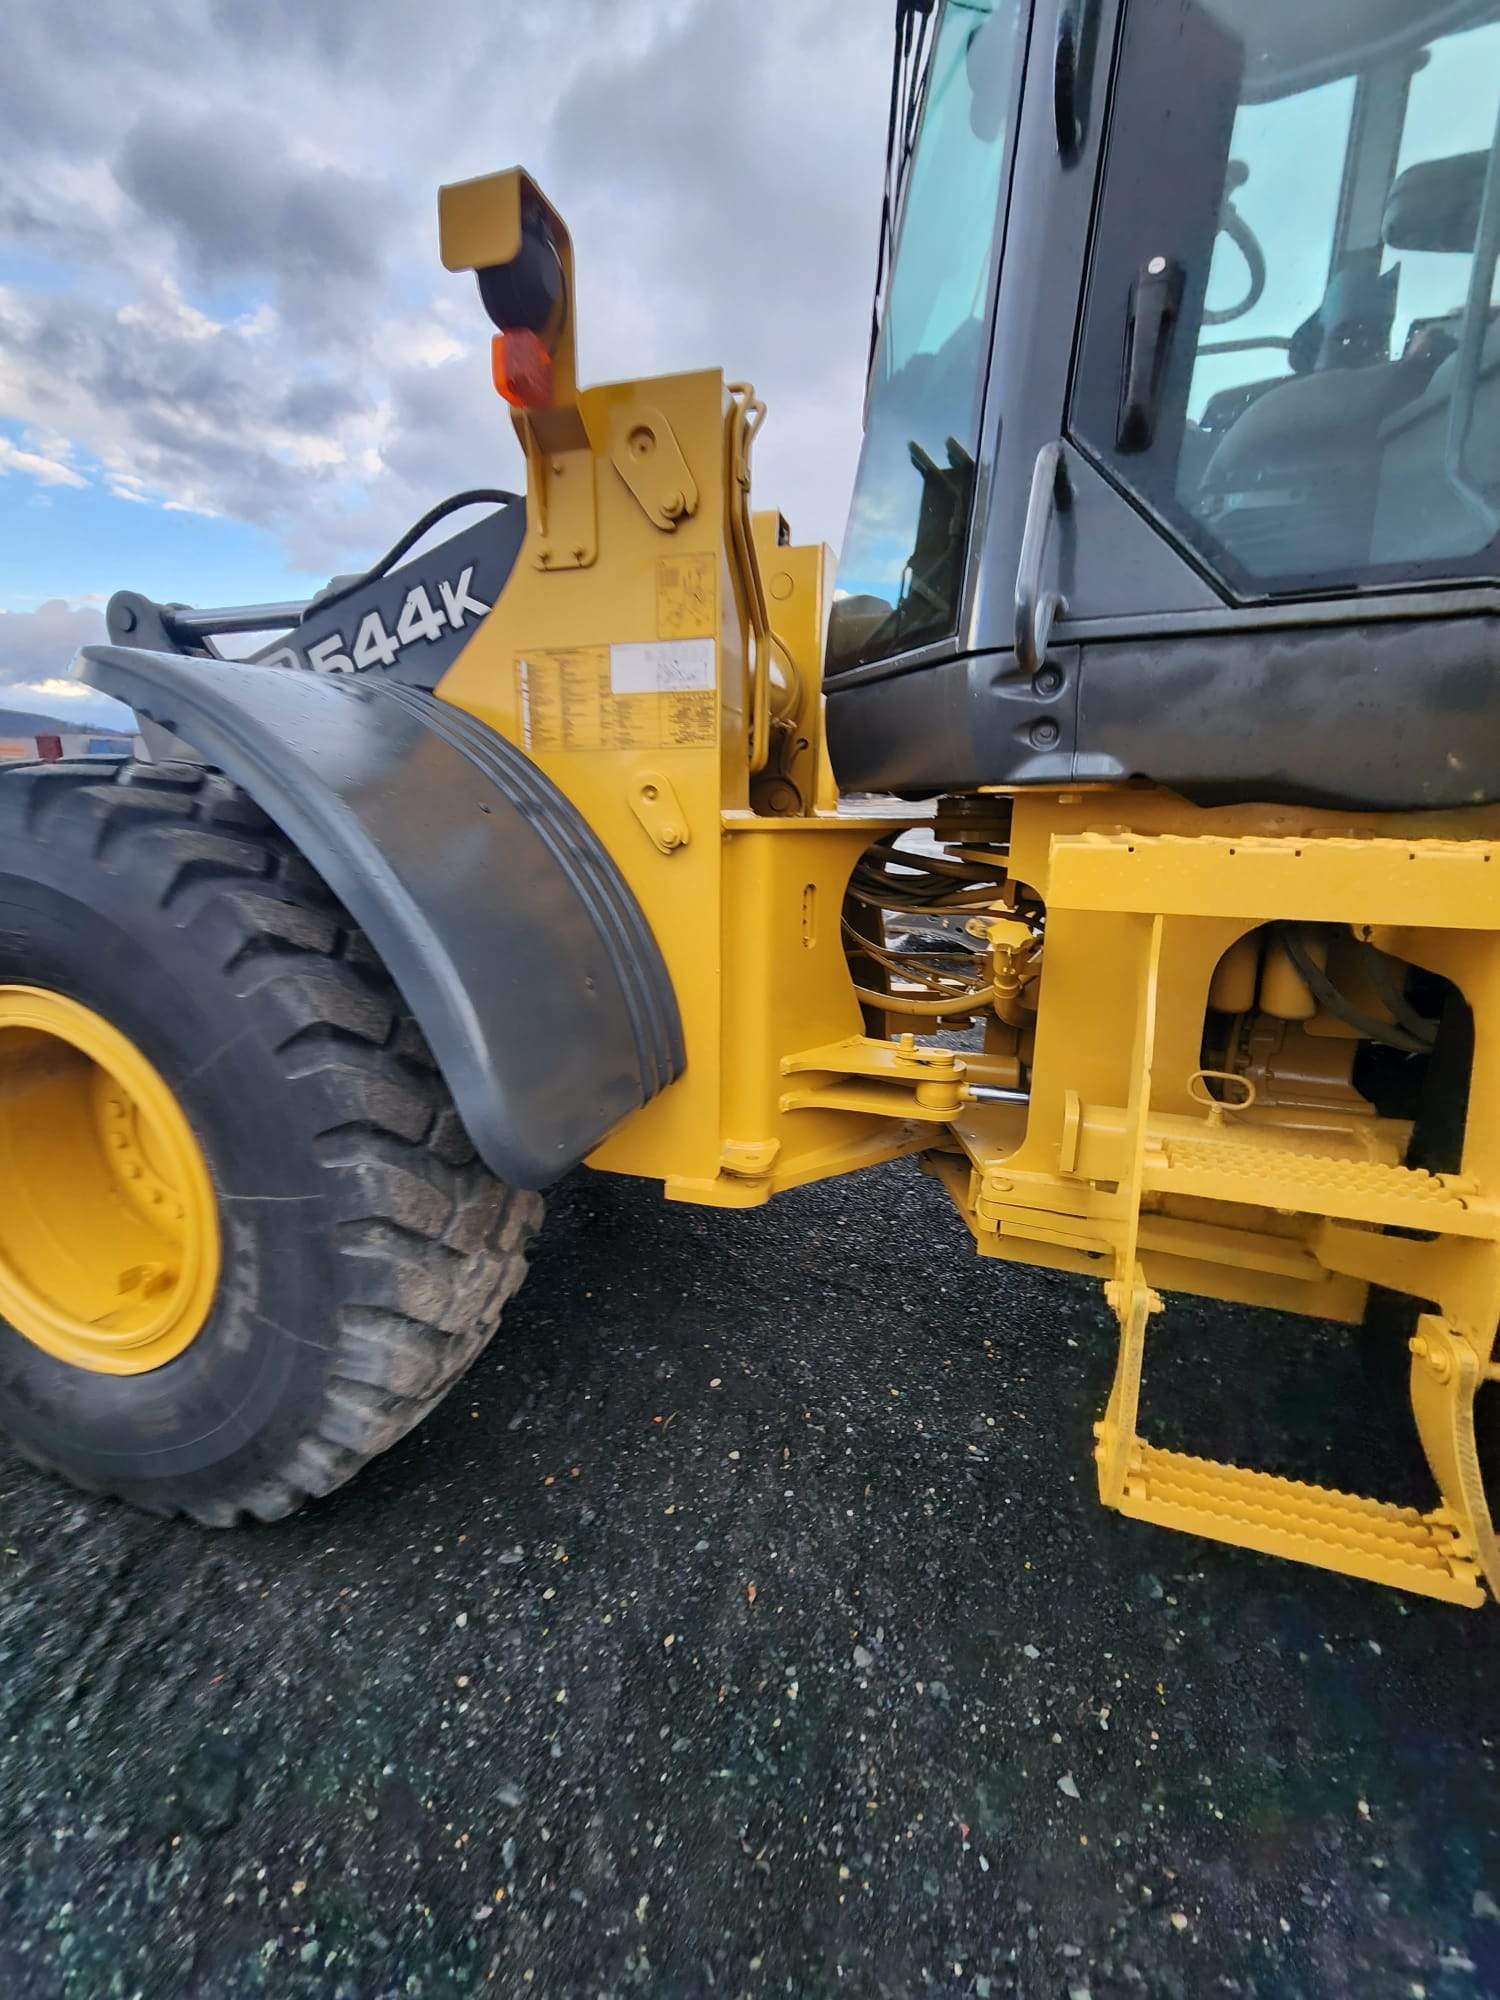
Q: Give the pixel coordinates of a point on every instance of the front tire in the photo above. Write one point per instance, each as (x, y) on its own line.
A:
(364, 1251)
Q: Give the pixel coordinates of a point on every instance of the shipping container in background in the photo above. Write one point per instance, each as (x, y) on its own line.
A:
(54, 748)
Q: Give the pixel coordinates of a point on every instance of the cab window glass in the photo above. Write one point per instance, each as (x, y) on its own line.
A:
(1323, 409)
(1286, 214)
(902, 561)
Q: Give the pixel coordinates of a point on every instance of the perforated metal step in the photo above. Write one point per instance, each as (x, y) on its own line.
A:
(1235, 1169)
(1310, 1524)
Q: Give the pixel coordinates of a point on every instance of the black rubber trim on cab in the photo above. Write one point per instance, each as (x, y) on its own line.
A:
(502, 919)
(1386, 716)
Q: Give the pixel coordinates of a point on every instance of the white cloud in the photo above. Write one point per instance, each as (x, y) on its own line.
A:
(54, 689)
(169, 312)
(259, 326)
(50, 471)
(38, 645)
(36, 648)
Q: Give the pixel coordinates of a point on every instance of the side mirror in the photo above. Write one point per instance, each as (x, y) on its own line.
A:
(504, 229)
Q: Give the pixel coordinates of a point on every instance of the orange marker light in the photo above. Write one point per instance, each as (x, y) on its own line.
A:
(522, 369)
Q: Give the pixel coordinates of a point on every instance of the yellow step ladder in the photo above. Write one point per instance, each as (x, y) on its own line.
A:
(1450, 1552)
(1310, 1524)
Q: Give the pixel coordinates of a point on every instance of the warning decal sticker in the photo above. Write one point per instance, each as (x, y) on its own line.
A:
(655, 696)
(686, 600)
(680, 666)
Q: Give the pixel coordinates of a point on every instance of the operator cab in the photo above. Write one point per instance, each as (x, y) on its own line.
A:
(1182, 448)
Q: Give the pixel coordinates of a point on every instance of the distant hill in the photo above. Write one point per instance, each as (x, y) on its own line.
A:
(22, 722)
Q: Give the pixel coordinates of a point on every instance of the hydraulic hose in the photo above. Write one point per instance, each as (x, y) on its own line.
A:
(477, 496)
(971, 1001)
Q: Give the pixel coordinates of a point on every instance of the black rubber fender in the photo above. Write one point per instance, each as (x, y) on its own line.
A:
(501, 917)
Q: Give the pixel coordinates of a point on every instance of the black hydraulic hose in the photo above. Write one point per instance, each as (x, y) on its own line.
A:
(1328, 995)
(1394, 1000)
(477, 496)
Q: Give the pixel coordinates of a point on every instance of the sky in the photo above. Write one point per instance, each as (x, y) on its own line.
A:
(231, 364)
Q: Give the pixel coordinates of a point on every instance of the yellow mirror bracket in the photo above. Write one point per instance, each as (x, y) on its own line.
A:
(503, 228)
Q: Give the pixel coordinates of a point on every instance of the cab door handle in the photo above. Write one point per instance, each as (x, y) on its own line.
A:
(1155, 301)
(1073, 74)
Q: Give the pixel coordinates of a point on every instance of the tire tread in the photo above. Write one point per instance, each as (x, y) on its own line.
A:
(430, 1243)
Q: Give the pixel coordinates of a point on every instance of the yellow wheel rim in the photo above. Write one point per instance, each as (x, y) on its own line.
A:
(109, 1232)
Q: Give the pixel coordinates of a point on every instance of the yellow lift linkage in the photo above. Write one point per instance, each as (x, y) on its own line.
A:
(657, 654)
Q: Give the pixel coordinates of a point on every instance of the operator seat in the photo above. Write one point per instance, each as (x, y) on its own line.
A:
(1297, 482)
(1420, 513)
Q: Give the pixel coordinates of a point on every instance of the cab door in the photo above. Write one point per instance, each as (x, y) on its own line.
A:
(1286, 267)
(970, 383)
(1289, 366)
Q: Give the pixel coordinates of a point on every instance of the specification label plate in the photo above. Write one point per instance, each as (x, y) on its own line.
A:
(659, 695)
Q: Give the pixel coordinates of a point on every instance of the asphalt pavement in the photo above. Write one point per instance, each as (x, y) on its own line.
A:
(745, 1624)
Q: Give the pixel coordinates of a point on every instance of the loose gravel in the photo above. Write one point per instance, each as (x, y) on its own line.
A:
(745, 1624)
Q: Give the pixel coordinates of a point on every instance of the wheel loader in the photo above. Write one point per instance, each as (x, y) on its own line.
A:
(1115, 832)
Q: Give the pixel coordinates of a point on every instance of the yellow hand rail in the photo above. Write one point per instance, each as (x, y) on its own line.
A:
(748, 416)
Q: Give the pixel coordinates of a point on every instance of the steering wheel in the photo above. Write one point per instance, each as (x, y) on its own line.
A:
(1233, 225)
